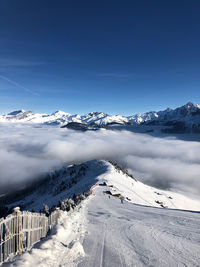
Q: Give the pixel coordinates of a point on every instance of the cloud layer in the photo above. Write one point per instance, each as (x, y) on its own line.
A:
(27, 152)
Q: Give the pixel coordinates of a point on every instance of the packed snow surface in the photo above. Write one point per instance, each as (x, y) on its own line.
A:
(121, 224)
(106, 232)
(133, 235)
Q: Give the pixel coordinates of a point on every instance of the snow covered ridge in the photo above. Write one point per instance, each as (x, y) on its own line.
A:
(187, 115)
(181, 119)
(104, 232)
(76, 179)
(108, 228)
(62, 118)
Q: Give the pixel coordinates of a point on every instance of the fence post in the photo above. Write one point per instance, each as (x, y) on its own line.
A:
(17, 230)
(57, 215)
(1, 241)
(21, 230)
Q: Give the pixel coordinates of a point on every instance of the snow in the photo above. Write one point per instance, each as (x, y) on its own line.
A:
(188, 113)
(139, 118)
(142, 194)
(56, 118)
(134, 235)
(153, 227)
(63, 247)
(99, 171)
(185, 113)
(104, 232)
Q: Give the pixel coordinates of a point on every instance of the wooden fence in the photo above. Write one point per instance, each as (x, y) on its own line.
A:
(19, 231)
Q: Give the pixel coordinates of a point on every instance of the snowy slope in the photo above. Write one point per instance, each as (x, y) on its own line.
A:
(134, 235)
(79, 178)
(189, 114)
(140, 118)
(104, 232)
(101, 118)
(62, 118)
(56, 118)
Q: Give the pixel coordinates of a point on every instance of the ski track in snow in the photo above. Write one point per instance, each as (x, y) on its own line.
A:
(133, 235)
(103, 232)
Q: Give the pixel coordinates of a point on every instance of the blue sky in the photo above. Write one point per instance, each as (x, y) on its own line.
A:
(113, 56)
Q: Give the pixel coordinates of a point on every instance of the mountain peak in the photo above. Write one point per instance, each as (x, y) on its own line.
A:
(189, 104)
(60, 112)
(16, 112)
(188, 113)
(96, 113)
(168, 109)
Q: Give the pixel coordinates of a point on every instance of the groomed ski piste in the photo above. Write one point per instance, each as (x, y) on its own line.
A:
(123, 223)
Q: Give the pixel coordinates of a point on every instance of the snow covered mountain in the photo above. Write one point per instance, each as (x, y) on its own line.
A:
(56, 118)
(76, 179)
(180, 113)
(103, 231)
(183, 118)
(62, 118)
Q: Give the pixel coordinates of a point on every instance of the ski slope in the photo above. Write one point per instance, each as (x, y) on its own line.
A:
(105, 232)
(133, 235)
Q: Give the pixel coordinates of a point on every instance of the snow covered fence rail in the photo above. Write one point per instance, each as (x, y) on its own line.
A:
(20, 230)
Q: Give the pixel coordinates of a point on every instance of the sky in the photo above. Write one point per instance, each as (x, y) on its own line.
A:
(119, 57)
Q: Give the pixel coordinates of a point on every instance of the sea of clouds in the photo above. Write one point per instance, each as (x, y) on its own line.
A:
(27, 152)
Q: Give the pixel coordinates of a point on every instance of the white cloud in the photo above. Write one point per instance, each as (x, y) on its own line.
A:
(28, 152)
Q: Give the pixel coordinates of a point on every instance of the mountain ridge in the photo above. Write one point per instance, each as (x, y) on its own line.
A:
(76, 179)
(188, 115)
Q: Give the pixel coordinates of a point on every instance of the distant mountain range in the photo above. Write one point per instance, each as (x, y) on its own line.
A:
(184, 118)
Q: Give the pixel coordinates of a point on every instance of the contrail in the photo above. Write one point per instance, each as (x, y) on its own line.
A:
(18, 85)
